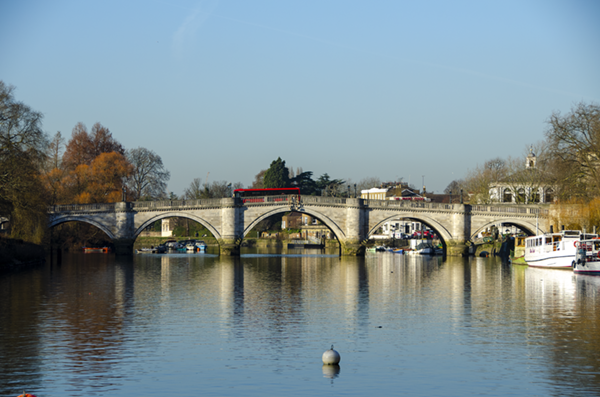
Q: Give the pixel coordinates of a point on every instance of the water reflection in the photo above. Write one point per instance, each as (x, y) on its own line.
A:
(153, 323)
(331, 371)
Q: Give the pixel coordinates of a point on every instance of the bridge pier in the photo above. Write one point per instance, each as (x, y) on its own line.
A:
(352, 248)
(355, 220)
(232, 227)
(457, 248)
(123, 246)
(229, 247)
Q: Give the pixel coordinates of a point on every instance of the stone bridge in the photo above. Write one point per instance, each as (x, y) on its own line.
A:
(352, 220)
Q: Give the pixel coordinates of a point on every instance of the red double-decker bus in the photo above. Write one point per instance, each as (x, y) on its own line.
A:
(262, 195)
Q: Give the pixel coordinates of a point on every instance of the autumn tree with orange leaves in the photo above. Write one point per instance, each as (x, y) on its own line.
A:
(104, 178)
(93, 168)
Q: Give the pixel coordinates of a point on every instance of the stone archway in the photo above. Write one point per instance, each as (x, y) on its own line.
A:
(442, 232)
(177, 214)
(83, 219)
(326, 221)
(337, 231)
(523, 225)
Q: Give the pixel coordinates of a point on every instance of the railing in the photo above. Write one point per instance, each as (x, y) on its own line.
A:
(511, 209)
(322, 200)
(145, 205)
(286, 200)
(98, 207)
(409, 204)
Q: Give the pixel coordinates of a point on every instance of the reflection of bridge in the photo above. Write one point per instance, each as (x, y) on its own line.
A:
(351, 220)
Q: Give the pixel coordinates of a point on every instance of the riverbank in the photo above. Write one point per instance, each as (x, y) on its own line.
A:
(145, 242)
(17, 254)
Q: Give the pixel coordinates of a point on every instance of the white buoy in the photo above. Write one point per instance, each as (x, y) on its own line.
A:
(331, 357)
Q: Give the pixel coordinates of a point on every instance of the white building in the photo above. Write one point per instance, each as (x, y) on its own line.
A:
(528, 186)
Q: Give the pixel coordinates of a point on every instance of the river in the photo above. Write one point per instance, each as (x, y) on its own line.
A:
(204, 325)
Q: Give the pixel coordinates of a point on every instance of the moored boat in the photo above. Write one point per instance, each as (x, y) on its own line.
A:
(98, 250)
(519, 250)
(159, 249)
(587, 258)
(553, 250)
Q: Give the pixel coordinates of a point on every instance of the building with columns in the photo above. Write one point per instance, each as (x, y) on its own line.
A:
(528, 186)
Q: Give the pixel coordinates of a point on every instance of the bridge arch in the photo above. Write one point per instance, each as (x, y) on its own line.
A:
(520, 223)
(178, 214)
(443, 232)
(84, 219)
(320, 216)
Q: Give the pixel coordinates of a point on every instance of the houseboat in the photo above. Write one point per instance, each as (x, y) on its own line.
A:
(553, 250)
(587, 258)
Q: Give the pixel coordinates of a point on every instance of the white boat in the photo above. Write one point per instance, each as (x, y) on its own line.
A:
(424, 248)
(159, 249)
(587, 258)
(553, 250)
(201, 245)
(190, 247)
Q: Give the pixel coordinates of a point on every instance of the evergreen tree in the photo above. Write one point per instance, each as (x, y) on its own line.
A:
(305, 182)
(277, 175)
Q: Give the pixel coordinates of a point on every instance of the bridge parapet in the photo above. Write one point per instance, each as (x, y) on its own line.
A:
(412, 205)
(98, 207)
(516, 209)
(323, 200)
(175, 204)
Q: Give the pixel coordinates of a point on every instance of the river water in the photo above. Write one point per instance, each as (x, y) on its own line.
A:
(204, 325)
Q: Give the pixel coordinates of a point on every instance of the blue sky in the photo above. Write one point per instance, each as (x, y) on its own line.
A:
(388, 89)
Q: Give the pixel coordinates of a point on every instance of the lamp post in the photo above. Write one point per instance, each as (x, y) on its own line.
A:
(355, 191)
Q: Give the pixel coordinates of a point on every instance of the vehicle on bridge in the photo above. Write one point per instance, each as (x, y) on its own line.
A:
(262, 195)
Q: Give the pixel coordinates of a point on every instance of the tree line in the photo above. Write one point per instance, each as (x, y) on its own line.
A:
(91, 167)
(568, 160)
(567, 165)
(278, 175)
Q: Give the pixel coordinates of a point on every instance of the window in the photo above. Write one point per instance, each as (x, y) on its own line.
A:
(521, 195)
(507, 196)
(549, 196)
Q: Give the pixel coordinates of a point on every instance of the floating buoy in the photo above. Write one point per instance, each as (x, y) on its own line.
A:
(331, 357)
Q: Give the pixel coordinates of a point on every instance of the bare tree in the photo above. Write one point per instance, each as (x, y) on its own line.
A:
(575, 143)
(219, 189)
(54, 152)
(480, 180)
(195, 190)
(20, 126)
(149, 178)
(454, 187)
(259, 180)
(367, 183)
(22, 155)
